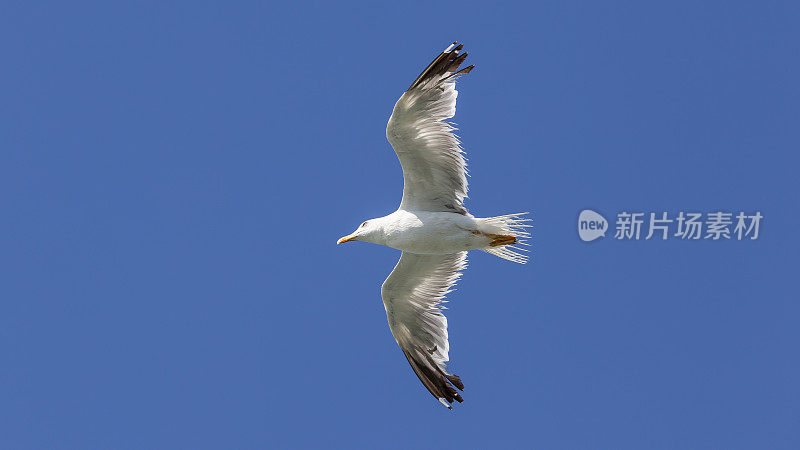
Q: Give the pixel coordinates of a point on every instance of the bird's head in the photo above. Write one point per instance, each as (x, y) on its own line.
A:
(369, 231)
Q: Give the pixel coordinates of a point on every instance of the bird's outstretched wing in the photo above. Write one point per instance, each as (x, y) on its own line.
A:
(411, 295)
(434, 169)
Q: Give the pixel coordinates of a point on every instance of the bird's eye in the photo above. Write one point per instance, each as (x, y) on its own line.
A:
(363, 224)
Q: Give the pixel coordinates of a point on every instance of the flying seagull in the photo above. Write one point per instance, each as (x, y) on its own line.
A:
(432, 227)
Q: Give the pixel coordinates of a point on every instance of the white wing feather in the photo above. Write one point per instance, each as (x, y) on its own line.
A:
(412, 295)
(434, 169)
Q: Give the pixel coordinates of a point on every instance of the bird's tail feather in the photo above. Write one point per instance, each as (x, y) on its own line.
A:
(509, 225)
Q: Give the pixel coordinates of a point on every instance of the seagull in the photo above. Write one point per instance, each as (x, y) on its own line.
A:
(432, 227)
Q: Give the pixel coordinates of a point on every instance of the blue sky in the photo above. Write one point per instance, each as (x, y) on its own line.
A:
(174, 176)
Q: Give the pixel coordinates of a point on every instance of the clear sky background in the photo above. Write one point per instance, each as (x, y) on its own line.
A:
(174, 176)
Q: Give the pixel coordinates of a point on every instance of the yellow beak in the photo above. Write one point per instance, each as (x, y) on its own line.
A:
(347, 238)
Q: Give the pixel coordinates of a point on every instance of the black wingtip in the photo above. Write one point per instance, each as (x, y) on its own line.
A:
(447, 62)
(438, 382)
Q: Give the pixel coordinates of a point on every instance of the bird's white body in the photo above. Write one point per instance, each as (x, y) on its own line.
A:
(432, 233)
(443, 233)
